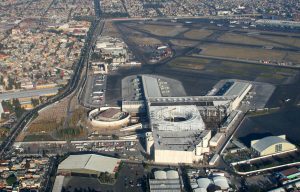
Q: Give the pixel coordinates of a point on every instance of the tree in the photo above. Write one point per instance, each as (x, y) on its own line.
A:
(10, 83)
(114, 137)
(12, 179)
(1, 80)
(18, 108)
(27, 164)
(35, 102)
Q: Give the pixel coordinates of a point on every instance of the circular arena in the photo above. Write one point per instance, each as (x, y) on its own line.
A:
(108, 117)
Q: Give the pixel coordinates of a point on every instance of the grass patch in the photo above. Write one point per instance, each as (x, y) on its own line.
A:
(45, 126)
(38, 137)
(238, 52)
(145, 40)
(70, 133)
(284, 40)
(244, 39)
(198, 33)
(272, 76)
(165, 31)
(232, 68)
(183, 43)
(189, 63)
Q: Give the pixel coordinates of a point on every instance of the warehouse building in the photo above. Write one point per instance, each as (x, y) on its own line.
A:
(271, 145)
(205, 184)
(165, 181)
(88, 164)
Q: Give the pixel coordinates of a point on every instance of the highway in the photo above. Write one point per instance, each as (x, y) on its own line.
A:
(29, 93)
(73, 85)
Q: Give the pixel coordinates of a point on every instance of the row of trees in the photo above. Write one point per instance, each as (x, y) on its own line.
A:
(14, 106)
(106, 178)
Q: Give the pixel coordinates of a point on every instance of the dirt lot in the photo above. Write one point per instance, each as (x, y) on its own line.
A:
(198, 33)
(183, 43)
(189, 63)
(144, 40)
(110, 29)
(56, 122)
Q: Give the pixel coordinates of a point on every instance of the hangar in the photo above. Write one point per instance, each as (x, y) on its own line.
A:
(271, 145)
(88, 164)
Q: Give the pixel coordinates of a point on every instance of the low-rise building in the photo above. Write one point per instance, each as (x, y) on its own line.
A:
(271, 145)
(88, 164)
(165, 181)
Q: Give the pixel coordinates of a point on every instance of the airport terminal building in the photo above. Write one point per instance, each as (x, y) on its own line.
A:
(178, 132)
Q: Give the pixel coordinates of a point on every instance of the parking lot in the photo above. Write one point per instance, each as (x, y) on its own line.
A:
(94, 91)
(121, 149)
(130, 178)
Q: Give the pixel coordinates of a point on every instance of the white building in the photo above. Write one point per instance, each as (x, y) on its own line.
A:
(165, 181)
(178, 134)
(272, 145)
(89, 164)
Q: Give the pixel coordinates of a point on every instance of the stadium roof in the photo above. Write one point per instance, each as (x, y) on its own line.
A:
(266, 142)
(191, 118)
(89, 162)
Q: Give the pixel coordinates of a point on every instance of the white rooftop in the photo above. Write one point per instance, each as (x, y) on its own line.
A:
(178, 140)
(58, 184)
(266, 142)
(151, 87)
(165, 181)
(176, 118)
(237, 88)
(90, 162)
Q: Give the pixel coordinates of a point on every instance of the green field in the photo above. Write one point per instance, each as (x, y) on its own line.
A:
(232, 68)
